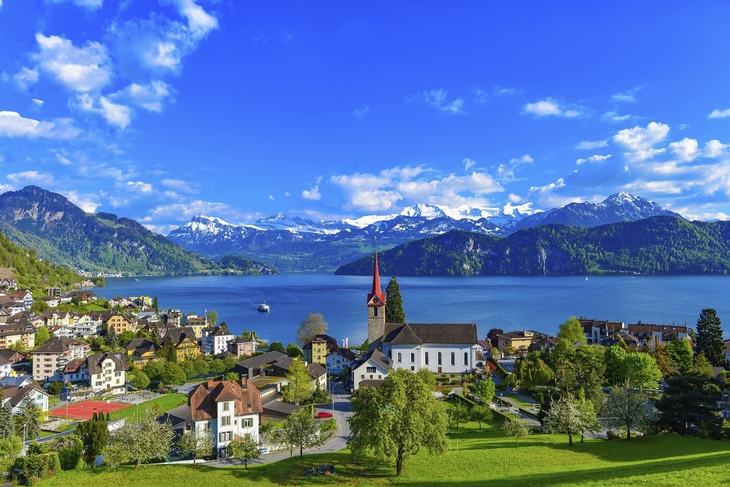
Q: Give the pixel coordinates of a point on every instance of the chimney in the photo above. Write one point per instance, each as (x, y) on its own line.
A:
(243, 381)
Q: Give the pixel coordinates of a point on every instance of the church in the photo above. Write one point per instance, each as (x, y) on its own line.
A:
(442, 348)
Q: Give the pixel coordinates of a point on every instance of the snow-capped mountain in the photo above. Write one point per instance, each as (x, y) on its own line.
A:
(305, 244)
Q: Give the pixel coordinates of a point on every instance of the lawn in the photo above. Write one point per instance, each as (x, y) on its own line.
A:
(166, 402)
(476, 458)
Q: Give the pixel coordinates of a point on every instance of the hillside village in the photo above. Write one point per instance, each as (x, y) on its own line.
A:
(52, 360)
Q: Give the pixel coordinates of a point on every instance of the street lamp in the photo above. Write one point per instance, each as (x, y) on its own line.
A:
(137, 413)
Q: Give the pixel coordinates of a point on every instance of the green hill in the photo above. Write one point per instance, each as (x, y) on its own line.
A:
(657, 245)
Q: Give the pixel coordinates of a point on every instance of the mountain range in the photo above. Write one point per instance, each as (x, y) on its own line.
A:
(296, 244)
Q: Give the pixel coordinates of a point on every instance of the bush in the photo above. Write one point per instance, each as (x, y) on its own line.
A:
(329, 425)
(70, 451)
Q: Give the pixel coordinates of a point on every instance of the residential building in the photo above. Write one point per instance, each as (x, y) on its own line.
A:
(270, 363)
(519, 340)
(184, 341)
(83, 296)
(6, 367)
(242, 346)
(196, 323)
(653, 335)
(120, 322)
(226, 410)
(106, 372)
(215, 340)
(14, 333)
(316, 349)
(318, 375)
(375, 365)
(142, 350)
(8, 283)
(598, 330)
(15, 394)
(339, 360)
(50, 358)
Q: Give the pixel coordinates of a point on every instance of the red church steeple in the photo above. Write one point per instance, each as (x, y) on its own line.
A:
(376, 296)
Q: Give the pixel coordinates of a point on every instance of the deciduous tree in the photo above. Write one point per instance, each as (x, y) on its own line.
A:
(572, 331)
(397, 419)
(481, 413)
(140, 380)
(293, 350)
(484, 391)
(313, 324)
(140, 443)
(394, 303)
(680, 353)
(517, 428)
(570, 416)
(299, 387)
(628, 409)
(244, 450)
(196, 443)
(300, 430)
(42, 335)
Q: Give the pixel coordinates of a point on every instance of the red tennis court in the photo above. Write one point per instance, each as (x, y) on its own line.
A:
(86, 409)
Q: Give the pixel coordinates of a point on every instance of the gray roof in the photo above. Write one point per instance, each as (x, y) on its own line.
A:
(260, 360)
(93, 362)
(420, 333)
(378, 357)
(57, 345)
(316, 370)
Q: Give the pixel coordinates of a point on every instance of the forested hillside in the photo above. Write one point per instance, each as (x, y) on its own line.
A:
(657, 245)
(32, 272)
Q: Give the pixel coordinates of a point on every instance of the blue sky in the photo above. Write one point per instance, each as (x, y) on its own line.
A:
(161, 110)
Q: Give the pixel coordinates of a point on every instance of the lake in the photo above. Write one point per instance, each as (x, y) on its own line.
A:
(510, 303)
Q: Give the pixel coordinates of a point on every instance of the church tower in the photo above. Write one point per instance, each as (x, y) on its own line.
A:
(376, 307)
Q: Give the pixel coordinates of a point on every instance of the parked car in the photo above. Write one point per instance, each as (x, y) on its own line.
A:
(263, 450)
(324, 414)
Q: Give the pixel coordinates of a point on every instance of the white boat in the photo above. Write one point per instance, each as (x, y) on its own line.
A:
(263, 307)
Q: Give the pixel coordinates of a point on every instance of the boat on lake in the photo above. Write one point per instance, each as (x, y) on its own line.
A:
(263, 307)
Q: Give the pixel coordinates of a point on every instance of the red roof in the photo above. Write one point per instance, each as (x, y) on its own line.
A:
(376, 296)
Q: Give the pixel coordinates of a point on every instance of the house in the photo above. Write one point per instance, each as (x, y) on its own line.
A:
(226, 410)
(51, 301)
(106, 372)
(6, 367)
(598, 330)
(119, 301)
(8, 283)
(184, 341)
(318, 375)
(242, 346)
(62, 331)
(53, 317)
(142, 350)
(373, 366)
(171, 317)
(142, 301)
(485, 347)
(262, 365)
(119, 322)
(316, 348)
(12, 356)
(438, 347)
(50, 358)
(621, 335)
(82, 297)
(544, 344)
(15, 395)
(519, 340)
(653, 335)
(14, 333)
(196, 323)
(89, 324)
(215, 340)
(339, 360)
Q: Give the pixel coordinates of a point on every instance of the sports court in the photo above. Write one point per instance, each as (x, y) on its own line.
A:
(86, 409)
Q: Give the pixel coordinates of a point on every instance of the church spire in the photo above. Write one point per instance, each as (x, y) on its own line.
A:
(376, 296)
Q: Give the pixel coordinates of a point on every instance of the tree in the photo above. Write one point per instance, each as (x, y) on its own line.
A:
(111, 338)
(459, 413)
(428, 378)
(172, 374)
(276, 347)
(312, 325)
(530, 371)
(709, 337)
(244, 450)
(397, 419)
(493, 334)
(167, 351)
(635, 369)
(299, 387)
(572, 331)
(232, 376)
(629, 409)
(484, 391)
(300, 430)
(154, 370)
(211, 317)
(126, 337)
(55, 388)
(394, 303)
(94, 435)
(28, 420)
(10, 449)
(139, 444)
(293, 350)
(196, 443)
(42, 335)
(156, 303)
(690, 405)
(7, 429)
(140, 380)
(518, 428)
(481, 413)
(567, 415)
(39, 307)
(680, 353)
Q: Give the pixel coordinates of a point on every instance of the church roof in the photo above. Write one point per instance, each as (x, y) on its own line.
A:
(376, 296)
(419, 333)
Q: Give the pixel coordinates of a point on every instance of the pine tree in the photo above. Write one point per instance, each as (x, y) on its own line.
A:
(394, 303)
(6, 421)
(709, 337)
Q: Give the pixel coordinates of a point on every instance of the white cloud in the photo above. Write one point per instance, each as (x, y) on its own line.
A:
(614, 117)
(13, 125)
(438, 99)
(639, 141)
(312, 194)
(360, 112)
(506, 172)
(719, 113)
(186, 211)
(588, 144)
(714, 149)
(63, 160)
(548, 107)
(687, 149)
(79, 69)
(481, 97)
(626, 96)
(271, 197)
(87, 202)
(37, 102)
(468, 164)
(504, 91)
(149, 96)
(138, 187)
(26, 77)
(660, 187)
(113, 113)
(199, 21)
(593, 159)
(179, 185)
(88, 4)
(24, 178)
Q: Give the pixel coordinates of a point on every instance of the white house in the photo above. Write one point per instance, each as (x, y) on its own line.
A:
(215, 340)
(15, 395)
(6, 367)
(226, 410)
(338, 360)
(372, 367)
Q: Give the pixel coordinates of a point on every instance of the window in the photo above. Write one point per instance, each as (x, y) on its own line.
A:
(225, 420)
(226, 406)
(453, 358)
(413, 357)
(439, 358)
(247, 422)
(370, 370)
(425, 358)
(375, 311)
(413, 368)
(466, 358)
(400, 359)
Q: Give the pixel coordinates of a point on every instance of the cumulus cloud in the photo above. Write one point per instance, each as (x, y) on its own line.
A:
(88, 4)
(686, 149)
(149, 96)
(506, 172)
(81, 69)
(20, 179)
(468, 164)
(26, 77)
(639, 141)
(593, 159)
(13, 125)
(113, 113)
(614, 117)
(592, 144)
(138, 187)
(714, 149)
(548, 107)
(179, 185)
(313, 193)
(360, 112)
(186, 211)
(719, 113)
(439, 99)
(382, 191)
(87, 202)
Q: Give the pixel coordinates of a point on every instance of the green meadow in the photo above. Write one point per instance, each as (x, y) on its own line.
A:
(476, 457)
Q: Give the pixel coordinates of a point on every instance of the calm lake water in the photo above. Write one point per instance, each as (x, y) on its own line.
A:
(510, 303)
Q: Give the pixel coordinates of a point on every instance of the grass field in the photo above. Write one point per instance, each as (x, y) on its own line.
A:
(166, 402)
(485, 456)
